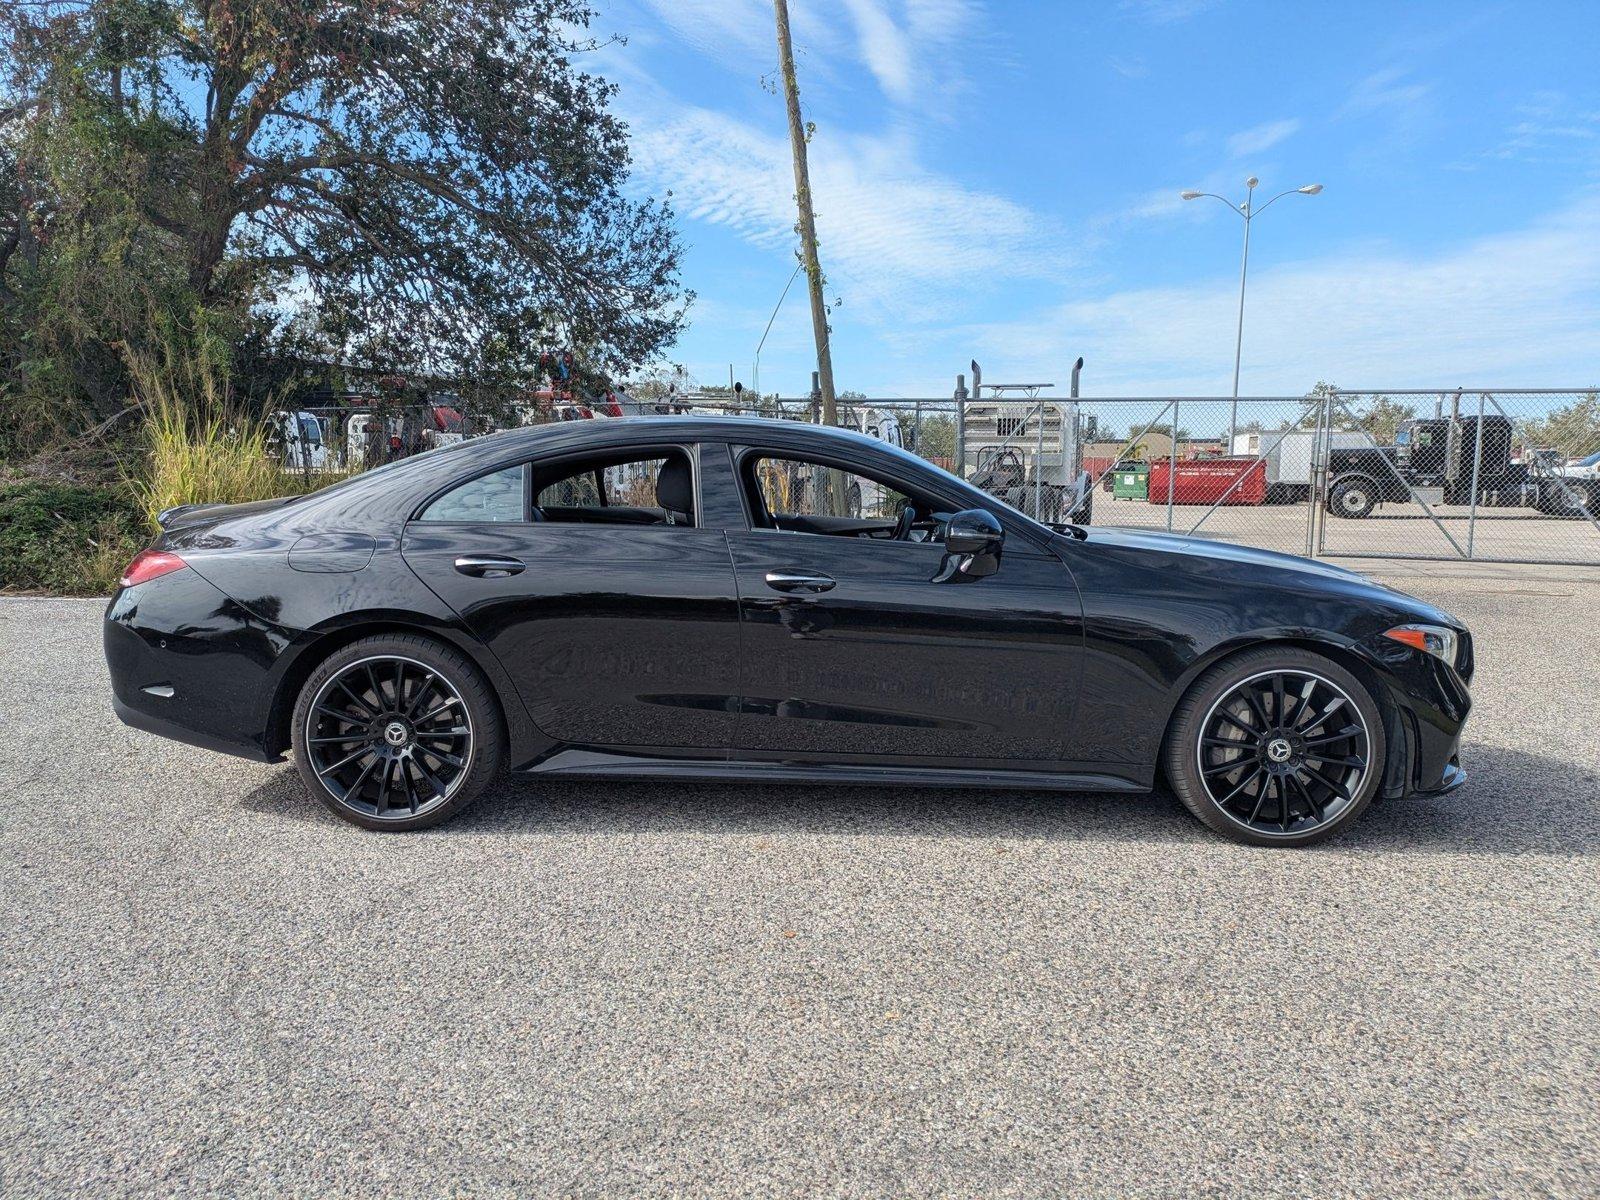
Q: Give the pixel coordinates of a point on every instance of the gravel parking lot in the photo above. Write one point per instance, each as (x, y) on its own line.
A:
(211, 986)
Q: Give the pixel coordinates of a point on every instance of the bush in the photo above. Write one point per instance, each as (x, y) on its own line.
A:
(65, 538)
(200, 447)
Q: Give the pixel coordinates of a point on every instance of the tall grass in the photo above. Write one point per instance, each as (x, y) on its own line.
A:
(199, 447)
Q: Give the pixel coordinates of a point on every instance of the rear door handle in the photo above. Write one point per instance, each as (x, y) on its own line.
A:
(793, 581)
(489, 565)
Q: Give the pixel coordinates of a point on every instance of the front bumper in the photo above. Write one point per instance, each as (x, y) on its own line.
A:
(1428, 711)
(188, 663)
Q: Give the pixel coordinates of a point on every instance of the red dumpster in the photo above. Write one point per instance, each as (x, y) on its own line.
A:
(1205, 481)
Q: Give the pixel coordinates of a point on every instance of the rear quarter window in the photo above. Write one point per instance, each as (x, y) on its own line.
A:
(488, 499)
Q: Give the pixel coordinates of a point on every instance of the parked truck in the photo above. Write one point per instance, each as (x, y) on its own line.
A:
(1028, 453)
(1289, 458)
(1451, 459)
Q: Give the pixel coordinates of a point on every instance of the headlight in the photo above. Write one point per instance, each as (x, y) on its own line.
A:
(1430, 639)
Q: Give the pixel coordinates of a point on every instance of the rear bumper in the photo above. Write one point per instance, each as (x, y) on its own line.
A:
(188, 663)
(165, 726)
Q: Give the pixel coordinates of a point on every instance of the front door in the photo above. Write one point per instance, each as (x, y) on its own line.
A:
(619, 625)
(851, 650)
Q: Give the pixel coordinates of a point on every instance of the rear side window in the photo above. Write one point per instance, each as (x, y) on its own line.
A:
(654, 488)
(487, 499)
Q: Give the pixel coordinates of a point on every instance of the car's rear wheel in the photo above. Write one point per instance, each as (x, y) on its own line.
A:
(1277, 746)
(397, 732)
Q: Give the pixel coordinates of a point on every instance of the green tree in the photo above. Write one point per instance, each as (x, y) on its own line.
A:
(440, 185)
(1381, 417)
(1574, 430)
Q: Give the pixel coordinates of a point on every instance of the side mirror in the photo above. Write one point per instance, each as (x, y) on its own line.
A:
(972, 544)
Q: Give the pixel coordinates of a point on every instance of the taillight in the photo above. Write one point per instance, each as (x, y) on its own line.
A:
(151, 564)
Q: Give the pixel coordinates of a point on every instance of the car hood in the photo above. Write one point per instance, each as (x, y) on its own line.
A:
(1268, 567)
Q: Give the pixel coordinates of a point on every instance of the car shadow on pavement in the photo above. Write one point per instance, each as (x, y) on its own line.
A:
(1513, 803)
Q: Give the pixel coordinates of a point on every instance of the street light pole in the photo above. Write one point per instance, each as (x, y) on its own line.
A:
(1238, 337)
(1249, 212)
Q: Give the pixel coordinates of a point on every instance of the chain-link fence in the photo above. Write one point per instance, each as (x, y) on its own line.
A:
(1490, 475)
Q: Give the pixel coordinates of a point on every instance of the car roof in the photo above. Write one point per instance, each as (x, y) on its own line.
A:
(670, 428)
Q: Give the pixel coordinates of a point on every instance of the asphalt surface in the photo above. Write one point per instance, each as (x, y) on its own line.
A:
(212, 987)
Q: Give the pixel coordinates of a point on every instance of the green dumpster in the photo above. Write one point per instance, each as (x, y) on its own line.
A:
(1131, 481)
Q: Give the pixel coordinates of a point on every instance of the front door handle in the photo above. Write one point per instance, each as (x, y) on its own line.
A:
(792, 581)
(489, 565)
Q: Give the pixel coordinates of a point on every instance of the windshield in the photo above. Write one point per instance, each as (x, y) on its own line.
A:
(1592, 460)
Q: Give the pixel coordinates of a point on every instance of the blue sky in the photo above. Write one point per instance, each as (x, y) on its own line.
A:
(1000, 181)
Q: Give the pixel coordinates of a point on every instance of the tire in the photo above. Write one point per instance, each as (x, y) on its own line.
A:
(1221, 761)
(406, 708)
(1565, 502)
(1354, 498)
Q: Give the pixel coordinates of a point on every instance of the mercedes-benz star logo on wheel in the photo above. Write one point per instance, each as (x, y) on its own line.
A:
(1278, 750)
(395, 733)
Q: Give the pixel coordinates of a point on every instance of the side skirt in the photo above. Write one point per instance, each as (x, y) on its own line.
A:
(594, 764)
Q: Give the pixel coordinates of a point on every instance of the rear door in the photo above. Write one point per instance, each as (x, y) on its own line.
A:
(617, 632)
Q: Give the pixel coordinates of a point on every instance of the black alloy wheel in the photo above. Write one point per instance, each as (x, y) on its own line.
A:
(1278, 746)
(396, 733)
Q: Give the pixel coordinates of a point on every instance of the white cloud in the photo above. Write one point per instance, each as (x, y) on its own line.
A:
(894, 234)
(901, 42)
(1262, 138)
(1387, 89)
(885, 48)
(1519, 307)
(1165, 12)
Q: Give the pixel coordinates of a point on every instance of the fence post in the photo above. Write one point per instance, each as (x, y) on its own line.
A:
(1477, 467)
(1313, 490)
(1172, 465)
(816, 397)
(961, 427)
(1038, 462)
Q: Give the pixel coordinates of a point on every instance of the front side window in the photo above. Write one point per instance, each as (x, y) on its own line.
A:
(488, 498)
(793, 487)
(804, 496)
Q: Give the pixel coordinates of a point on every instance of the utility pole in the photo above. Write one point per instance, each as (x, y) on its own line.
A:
(807, 224)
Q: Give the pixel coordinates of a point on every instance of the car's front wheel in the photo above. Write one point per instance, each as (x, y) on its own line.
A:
(1277, 746)
(397, 732)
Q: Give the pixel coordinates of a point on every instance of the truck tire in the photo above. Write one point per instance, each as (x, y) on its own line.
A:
(1566, 502)
(1354, 496)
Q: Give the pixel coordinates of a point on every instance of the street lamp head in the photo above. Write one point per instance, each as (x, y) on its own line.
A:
(1310, 189)
(1251, 182)
(1187, 195)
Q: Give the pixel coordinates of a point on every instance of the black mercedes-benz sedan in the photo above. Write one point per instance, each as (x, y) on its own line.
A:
(705, 598)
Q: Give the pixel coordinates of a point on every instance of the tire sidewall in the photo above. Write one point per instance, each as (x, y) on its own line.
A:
(1181, 753)
(482, 711)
